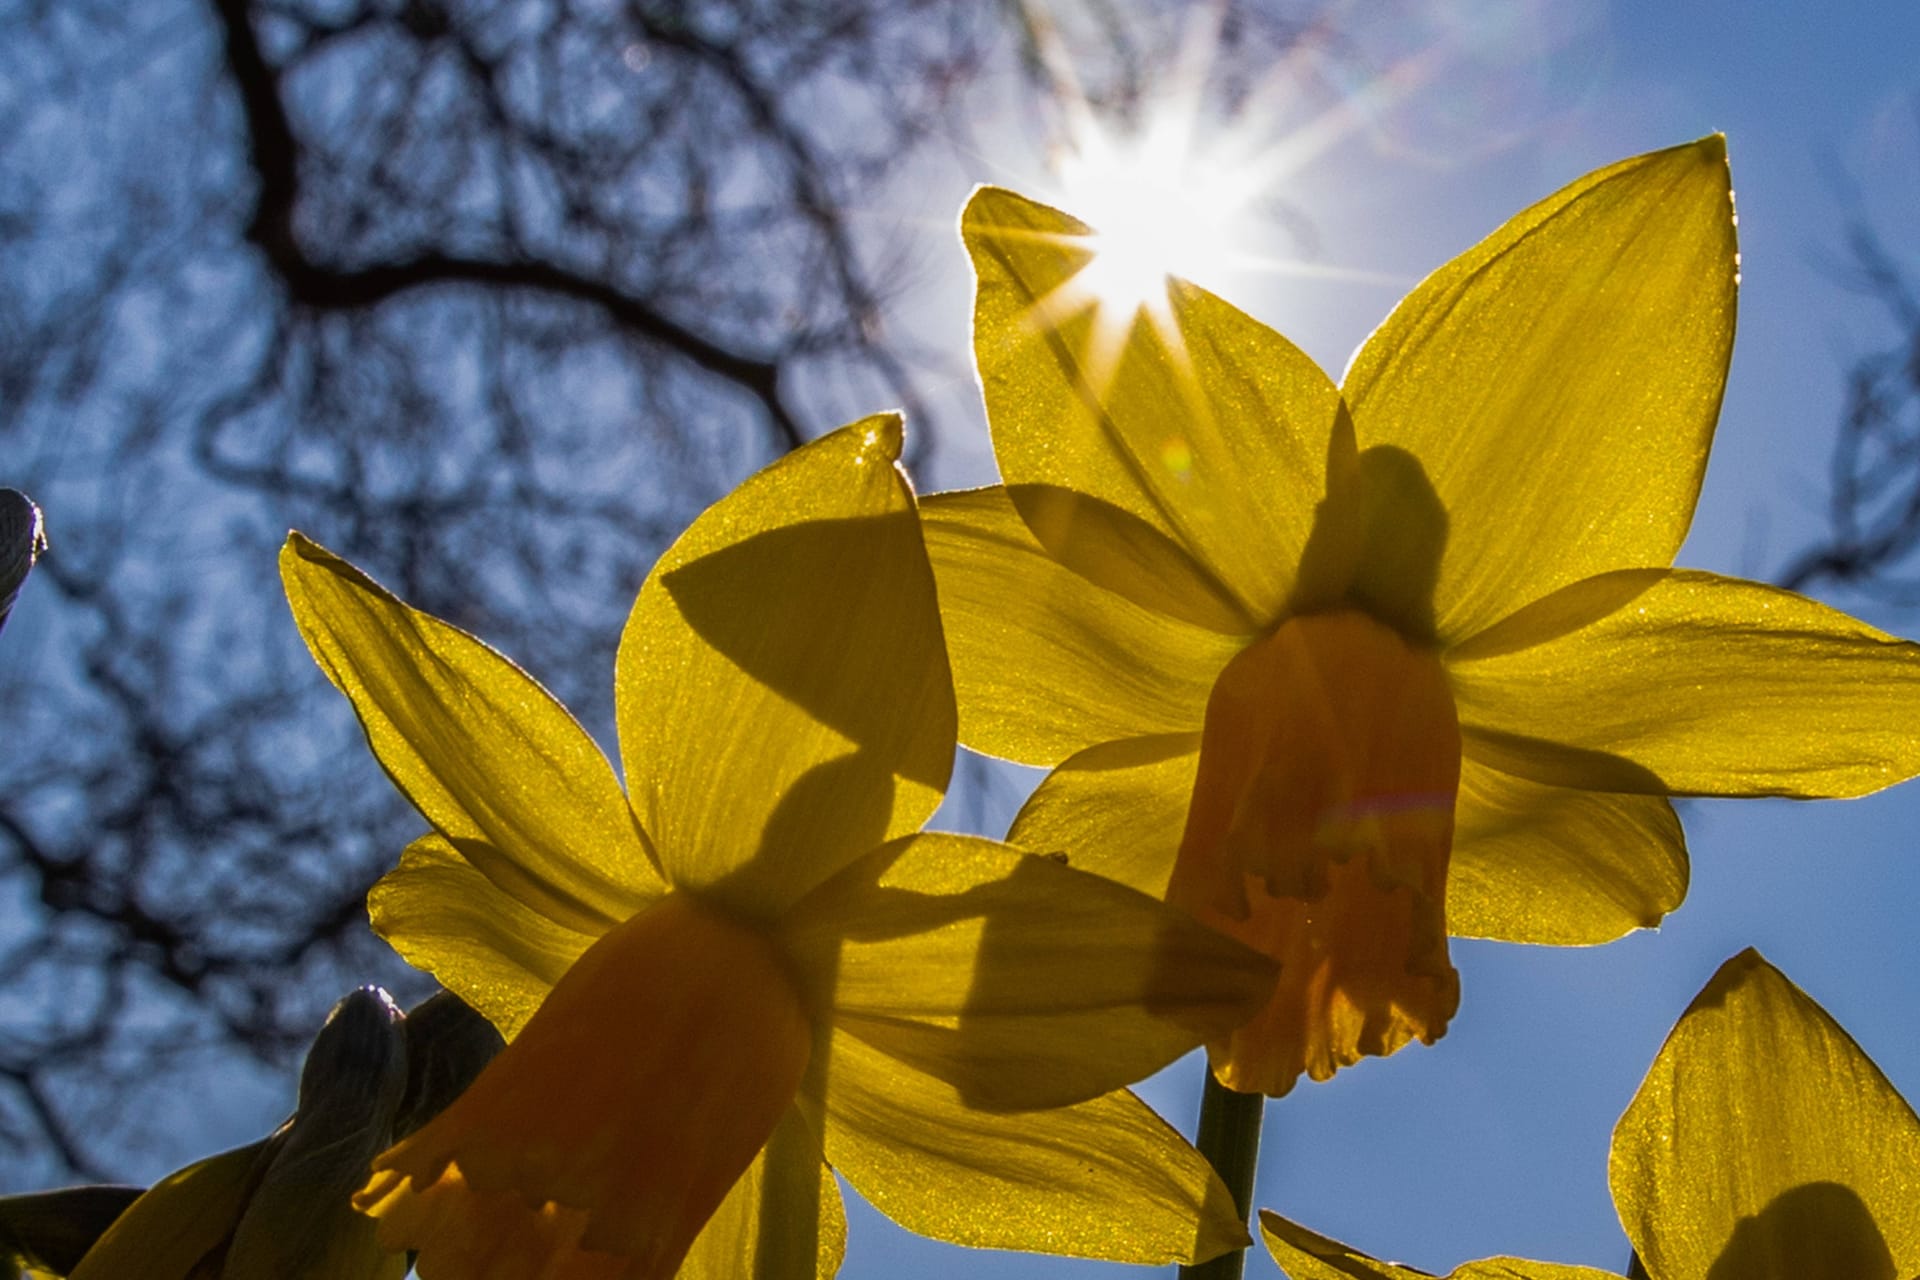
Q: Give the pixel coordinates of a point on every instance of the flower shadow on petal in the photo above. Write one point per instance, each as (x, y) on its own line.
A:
(524, 886)
(856, 787)
(814, 570)
(1559, 765)
(1549, 618)
(1033, 986)
(789, 1209)
(1561, 613)
(1815, 1231)
(1157, 975)
(1378, 536)
(1403, 530)
(857, 780)
(1113, 548)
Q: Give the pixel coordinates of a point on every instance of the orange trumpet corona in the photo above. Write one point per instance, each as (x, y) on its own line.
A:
(602, 1139)
(1319, 832)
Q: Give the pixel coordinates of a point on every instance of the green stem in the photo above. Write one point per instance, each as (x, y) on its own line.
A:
(1230, 1140)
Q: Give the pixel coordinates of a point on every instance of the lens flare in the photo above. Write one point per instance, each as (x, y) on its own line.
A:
(1157, 210)
(1190, 182)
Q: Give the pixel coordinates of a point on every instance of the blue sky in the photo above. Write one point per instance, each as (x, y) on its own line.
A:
(1495, 1141)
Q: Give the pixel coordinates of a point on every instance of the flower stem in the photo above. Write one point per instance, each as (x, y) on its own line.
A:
(1230, 1140)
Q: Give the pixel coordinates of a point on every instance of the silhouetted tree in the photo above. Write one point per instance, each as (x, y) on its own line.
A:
(1872, 546)
(490, 297)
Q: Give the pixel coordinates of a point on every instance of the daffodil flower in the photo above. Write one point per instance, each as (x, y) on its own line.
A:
(1345, 669)
(1763, 1145)
(747, 966)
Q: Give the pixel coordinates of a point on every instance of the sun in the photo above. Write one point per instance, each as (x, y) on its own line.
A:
(1157, 210)
(1172, 192)
(1184, 187)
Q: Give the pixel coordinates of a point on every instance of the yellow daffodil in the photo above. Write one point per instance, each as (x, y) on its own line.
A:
(1345, 669)
(1763, 1145)
(748, 963)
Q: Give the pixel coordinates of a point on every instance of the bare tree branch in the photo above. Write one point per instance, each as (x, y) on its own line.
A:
(491, 298)
(1873, 511)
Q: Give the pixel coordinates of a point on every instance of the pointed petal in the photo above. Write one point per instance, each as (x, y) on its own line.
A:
(1559, 382)
(1105, 1179)
(1679, 682)
(1308, 1255)
(480, 748)
(783, 1220)
(1021, 982)
(1764, 1144)
(1190, 442)
(782, 686)
(1534, 863)
(445, 917)
(180, 1220)
(1045, 663)
(1117, 810)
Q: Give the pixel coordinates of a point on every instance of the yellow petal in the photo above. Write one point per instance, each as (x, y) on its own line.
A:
(1559, 381)
(1534, 863)
(1195, 441)
(782, 685)
(1116, 810)
(479, 747)
(1764, 1144)
(1308, 1255)
(616, 1122)
(1021, 982)
(179, 1220)
(1105, 1179)
(1681, 682)
(445, 917)
(1045, 663)
(783, 1220)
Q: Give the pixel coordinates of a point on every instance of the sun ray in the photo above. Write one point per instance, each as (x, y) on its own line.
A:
(1176, 193)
